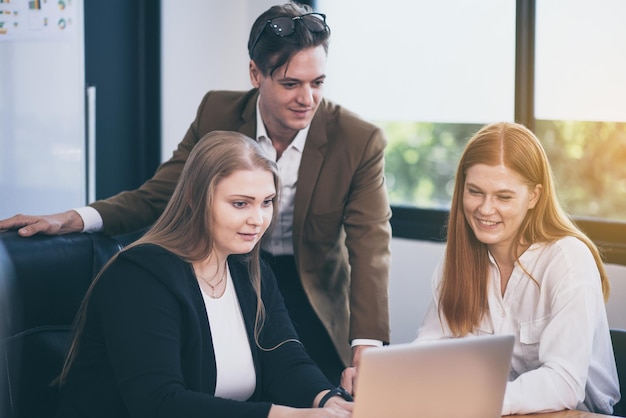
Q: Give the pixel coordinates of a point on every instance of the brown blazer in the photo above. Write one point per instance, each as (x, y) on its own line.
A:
(341, 228)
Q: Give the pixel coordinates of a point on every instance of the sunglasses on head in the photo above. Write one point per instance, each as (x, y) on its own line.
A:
(286, 25)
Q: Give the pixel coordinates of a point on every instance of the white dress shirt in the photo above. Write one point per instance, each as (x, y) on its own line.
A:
(563, 357)
(92, 221)
(281, 241)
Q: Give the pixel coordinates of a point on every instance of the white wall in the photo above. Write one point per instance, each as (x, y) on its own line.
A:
(42, 109)
(204, 48)
(412, 263)
(616, 307)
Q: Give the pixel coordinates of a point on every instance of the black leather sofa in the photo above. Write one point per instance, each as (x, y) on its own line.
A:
(42, 283)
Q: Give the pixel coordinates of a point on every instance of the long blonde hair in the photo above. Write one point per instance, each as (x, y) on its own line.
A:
(185, 227)
(463, 297)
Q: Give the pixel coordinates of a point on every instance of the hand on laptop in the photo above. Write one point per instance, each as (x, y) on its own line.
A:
(348, 380)
(334, 408)
(337, 407)
(348, 377)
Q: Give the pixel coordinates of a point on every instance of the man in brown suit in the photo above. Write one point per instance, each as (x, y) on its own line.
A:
(330, 245)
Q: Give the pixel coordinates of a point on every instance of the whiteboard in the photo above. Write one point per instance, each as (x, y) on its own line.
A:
(42, 107)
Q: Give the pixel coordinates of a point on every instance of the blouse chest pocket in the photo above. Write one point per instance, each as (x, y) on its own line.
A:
(530, 338)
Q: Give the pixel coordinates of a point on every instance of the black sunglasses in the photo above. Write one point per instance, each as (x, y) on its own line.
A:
(286, 26)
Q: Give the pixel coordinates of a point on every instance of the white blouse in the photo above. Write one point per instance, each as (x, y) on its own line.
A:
(563, 357)
(236, 378)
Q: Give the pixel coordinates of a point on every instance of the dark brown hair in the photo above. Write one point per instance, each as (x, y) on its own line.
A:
(271, 51)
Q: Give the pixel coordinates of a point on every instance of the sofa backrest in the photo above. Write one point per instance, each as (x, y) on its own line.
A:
(42, 282)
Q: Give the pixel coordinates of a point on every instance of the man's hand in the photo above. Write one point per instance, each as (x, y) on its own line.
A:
(348, 376)
(348, 380)
(356, 354)
(57, 224)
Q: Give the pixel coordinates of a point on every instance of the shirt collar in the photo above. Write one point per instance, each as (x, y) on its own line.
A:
(298, 141)
(526, 254)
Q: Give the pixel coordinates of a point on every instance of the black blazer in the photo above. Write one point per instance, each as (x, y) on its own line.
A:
(146, 349)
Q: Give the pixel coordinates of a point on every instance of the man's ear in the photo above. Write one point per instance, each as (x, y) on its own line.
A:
(255, 75)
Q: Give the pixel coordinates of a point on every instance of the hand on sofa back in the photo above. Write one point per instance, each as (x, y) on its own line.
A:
(43, 280)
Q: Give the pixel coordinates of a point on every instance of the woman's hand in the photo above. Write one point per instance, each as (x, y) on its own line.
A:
(334, 408)
(337, 407)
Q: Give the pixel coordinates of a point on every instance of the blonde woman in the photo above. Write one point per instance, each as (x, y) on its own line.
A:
(186, 322)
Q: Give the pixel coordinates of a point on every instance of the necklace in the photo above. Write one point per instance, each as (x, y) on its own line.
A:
(213, 294)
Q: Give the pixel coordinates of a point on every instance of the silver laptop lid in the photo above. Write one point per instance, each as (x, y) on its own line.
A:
(450, 378)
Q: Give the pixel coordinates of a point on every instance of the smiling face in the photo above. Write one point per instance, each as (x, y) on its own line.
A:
(242, 211)
(290, 97)
(496, 200)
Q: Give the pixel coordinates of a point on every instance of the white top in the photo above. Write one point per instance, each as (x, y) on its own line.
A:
(563, 357)
(236, 378)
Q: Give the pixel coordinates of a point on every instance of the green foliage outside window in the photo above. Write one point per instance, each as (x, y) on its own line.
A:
(421, 159)
(588, 160)
(589, 164)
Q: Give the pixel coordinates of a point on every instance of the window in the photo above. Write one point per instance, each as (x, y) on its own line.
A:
(432, 73)
(580, 102)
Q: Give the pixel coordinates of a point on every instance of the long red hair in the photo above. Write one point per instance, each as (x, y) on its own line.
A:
(463, 293)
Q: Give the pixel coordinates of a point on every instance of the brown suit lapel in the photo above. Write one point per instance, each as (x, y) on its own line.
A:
(310, 166)
(248, 118)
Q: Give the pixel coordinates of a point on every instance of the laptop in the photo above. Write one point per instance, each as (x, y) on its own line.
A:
(450, 378)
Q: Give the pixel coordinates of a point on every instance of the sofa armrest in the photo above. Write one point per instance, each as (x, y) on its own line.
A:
(43, 280)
